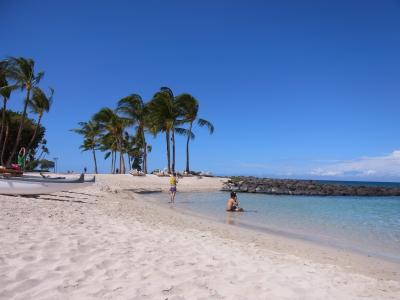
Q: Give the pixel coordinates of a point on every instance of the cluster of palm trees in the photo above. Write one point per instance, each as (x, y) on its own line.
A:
(18, 73)
(165, 113)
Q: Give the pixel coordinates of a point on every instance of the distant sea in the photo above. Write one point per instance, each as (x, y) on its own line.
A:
(361, 183)
(368, 225)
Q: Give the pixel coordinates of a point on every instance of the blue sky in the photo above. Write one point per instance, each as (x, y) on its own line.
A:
(306, 89)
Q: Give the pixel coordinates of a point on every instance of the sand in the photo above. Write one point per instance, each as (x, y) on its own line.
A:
(107, 242)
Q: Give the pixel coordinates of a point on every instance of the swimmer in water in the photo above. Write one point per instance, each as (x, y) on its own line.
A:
(233, 203)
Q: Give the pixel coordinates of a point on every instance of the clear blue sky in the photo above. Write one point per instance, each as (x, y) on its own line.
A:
(294, 88)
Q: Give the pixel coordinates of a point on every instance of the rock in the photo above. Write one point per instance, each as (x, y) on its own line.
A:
(251, 188)
(303, 187)
(243, 187)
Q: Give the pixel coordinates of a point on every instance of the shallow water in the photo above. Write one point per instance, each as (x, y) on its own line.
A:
(369, 225)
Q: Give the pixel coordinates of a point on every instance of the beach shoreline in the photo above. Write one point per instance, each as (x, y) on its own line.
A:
(369, 265)
(109, 242)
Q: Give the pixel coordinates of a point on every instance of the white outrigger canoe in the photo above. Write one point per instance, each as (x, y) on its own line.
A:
(36, 185)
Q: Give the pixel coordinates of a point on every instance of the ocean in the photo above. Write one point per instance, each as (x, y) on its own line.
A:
(362, 183)
(367, 225)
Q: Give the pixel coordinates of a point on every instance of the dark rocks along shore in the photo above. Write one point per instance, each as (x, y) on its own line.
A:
(303, 187)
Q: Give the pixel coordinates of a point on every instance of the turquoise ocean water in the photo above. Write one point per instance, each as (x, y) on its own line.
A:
(368, 225)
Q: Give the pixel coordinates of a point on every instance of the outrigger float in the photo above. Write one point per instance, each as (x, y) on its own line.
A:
(33, 185)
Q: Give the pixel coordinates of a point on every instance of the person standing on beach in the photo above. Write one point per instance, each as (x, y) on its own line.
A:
(172, 187)
(21, 158)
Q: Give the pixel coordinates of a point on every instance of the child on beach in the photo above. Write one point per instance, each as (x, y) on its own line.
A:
(233, 203)
(172, 189)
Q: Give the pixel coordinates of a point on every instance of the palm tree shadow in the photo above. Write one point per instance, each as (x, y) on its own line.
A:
(69, 197)
(65, 200)
(99, 196)
(52, 199)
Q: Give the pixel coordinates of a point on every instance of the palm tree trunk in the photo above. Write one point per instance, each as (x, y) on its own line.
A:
(115, 162)
(168, 151)
(21, 125)
(121, 158)
(4, 144)
(3, 122)
(144, 153)
(112, 161)
(187, 148)
(173, 150)
(129, 162)
(95, 161)
(122, 162)
(40, 155)
(34, 133)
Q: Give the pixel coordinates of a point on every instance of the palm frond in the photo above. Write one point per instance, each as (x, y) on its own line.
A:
(203, 122)
(185, 132)
(107, 155)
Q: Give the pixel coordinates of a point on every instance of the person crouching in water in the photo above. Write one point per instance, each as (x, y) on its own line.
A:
(233, 203)
(172, 186)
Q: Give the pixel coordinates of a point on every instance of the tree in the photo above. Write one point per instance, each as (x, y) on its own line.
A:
(189, 107)
(107, 143)
(114, 127)
(5, 92)
(39, 104)
(46, 164)
(135, 153)
(22, 72)
(44, 150)
(91, 132)
(164, 114)
(12, 121)
(137, 113)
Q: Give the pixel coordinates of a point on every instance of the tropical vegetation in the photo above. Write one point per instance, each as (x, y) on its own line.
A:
(32, 134)
(167, 114)
(119, 133)
(17, 129)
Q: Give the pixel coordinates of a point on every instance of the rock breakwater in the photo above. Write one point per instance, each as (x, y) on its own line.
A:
(303, 187)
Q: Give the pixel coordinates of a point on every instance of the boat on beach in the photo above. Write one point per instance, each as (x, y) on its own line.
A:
(32, 185)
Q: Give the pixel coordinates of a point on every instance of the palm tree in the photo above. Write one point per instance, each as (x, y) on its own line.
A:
(91, 132)
(189, 107)
(107, 143)
(114, 126)
(164, 114)
(39, 104)
(5, 92)
(22, 71)
(45, 150)
(137, 112)
(7, 121)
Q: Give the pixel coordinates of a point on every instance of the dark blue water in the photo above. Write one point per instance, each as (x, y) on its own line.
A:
(370, 225)
(361, 183)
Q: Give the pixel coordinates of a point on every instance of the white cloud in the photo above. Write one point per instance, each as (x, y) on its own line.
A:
(378, 166)
(323, 172)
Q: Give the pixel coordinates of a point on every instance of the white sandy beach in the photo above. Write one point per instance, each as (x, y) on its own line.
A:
(106, 242)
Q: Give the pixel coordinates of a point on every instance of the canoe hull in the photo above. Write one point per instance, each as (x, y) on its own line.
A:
(37, 187)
